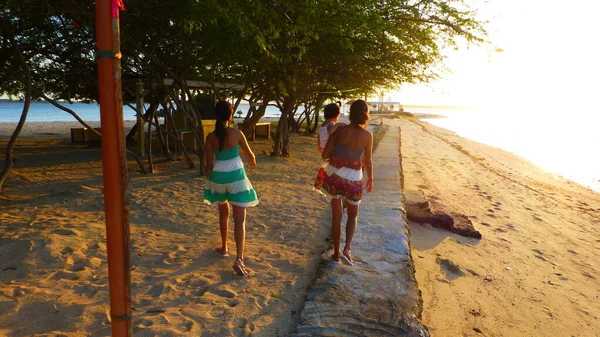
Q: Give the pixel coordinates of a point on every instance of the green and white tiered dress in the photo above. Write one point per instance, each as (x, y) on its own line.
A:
(228, 181)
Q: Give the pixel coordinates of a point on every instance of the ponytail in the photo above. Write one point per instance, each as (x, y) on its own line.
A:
(223, 112)
(221, 133)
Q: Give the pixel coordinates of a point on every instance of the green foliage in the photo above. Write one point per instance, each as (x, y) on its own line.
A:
(303, 51)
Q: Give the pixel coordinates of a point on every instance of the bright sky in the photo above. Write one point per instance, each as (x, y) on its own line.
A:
(551, 56)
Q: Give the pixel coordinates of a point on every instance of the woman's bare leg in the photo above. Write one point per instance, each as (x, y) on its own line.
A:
(239, 231)
(224, 224)
(352, 212)
(336, 227)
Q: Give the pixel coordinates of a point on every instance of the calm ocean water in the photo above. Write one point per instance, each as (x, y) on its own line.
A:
(45, 112)
(561, 140)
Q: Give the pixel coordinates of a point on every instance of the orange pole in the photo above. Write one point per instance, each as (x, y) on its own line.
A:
(114, 165)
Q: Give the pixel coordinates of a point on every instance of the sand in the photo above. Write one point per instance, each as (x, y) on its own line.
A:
(535, 272)
(53, 275)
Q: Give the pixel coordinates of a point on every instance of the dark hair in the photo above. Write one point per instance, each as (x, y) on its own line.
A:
(359, 112)
(223, 113)
(332, 110)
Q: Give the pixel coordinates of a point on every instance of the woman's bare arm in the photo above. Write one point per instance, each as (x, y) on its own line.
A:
(369, 162)
(246, 148)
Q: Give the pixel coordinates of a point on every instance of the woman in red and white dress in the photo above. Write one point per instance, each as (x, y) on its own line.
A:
(342, 176)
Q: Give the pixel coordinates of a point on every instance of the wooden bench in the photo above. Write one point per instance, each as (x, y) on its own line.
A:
(84, 136)
(262, 129)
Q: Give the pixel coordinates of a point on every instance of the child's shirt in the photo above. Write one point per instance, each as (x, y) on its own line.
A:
(323, 136)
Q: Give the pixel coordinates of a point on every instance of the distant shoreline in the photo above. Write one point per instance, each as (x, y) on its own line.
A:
(62, 129)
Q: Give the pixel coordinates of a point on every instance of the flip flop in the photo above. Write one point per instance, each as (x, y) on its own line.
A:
(221, 252)
(239, 268)
(334, 261)
(347, 259)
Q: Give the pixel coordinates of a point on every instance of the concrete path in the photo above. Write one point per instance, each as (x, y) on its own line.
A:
(378, 296)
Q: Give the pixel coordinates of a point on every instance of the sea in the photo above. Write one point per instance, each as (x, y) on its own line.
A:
(46, 112)
(563, 140)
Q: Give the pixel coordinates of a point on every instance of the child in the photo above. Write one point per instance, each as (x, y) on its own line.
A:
(227, 182)
(329, 126)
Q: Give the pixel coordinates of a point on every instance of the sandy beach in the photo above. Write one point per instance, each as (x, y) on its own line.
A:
(53, 276)
(535, 272)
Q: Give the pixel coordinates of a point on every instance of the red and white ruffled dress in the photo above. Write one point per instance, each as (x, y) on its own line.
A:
(342, 175)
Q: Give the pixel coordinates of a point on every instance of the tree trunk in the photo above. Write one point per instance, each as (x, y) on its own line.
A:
(258, 114)
(318, 104)
(181, 143)
(280, 134)
(161, 138)
(131, 135)
(198, 131)
(282, 137)
(86, 125)
(239, 98)
(71, 112)
(307, 113)
(149, 142)
(194, 119)
(292, 122)
(9, 147)
(138, 160)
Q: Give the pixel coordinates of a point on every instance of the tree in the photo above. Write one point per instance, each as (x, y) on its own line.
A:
(292, 53)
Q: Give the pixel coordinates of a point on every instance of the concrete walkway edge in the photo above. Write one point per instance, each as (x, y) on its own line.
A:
(378, 296)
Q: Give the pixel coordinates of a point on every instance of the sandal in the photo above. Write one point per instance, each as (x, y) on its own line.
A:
(239, 268)
(222, 252)
(334, 261)
(347, 258)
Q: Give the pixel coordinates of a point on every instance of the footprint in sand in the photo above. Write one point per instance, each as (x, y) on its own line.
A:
(66, 250)
(145, 323)
(254, 302)
(64, 232)
(588, 275)
(232, 303)
(274, 255)
(65, 275)
(198, 283)
(259, 226)
(186, 326)
(486, 224)
(77, 267)
(217, 310)
(238, 326)
(86, 291)
(224, 292)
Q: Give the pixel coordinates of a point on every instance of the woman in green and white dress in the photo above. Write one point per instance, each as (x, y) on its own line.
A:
(227, 181)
